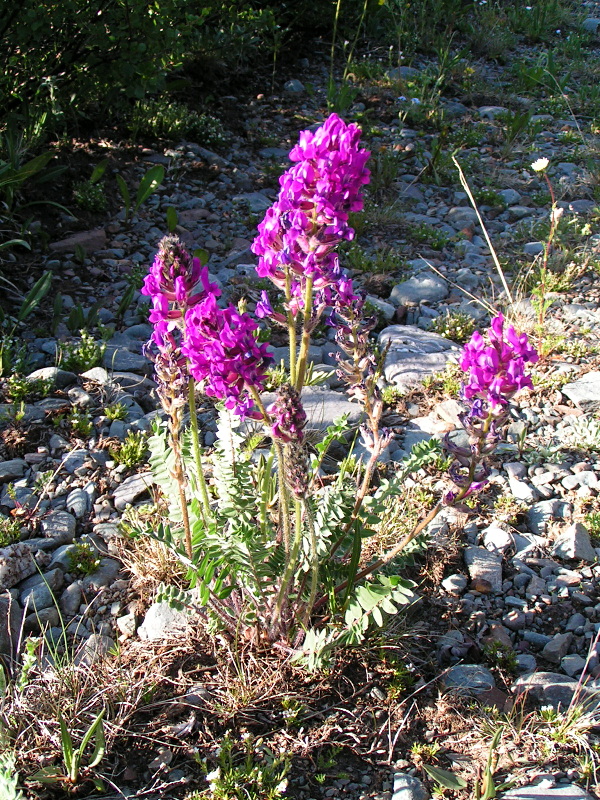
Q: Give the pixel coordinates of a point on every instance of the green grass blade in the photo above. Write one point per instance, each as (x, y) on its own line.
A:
(67, 748)
(124, 194)
(35, 296)
(99, 171)
(149, 183)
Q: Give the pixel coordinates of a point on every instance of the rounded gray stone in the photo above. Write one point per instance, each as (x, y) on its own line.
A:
(163, 622)
(419, 288)
(58, 377)
(70, 600)
(60, 526)
(407, 787)
(470, 678)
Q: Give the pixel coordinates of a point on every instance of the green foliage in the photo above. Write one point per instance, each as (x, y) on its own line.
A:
(592, 522)
(583, 433)
(75, 767)
(90, 197)
(418, 26)
(385, 167)
(162, 117)
(9, 778)
(489, 197)
(18, 388)
(383, 260)
(147, 186)
(455, 325)
(132, 451)
(502, 657)
(422, 233)
(82, 355)
(13, 352)
(447, 382)
(79, 317)
(248, 771)
(60, 60)
(236, 555)
(83, 558)
(115, 411)
(10, 531)
(445, 778)
(391, 395)
(80, 422)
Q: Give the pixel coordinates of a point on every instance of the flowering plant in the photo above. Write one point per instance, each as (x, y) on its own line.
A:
(273, 551)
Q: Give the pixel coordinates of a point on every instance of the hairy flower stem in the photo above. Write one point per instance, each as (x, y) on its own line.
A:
(179, 475)
(306, 331)
(196, 449)
(284, 500)
(314, 559)
(284, 496)
(381, 562)
(406, 540)
(290, 567)
(291, 323)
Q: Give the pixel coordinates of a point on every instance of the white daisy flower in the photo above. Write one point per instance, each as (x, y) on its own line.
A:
(540, 165)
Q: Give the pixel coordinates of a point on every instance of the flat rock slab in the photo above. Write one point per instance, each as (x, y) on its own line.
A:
(60, 526)
(255, 201)
(131, 488)
(90, 240)
(58, 377)
(10, 624)
(407, 787)
(414, 354)
(574, 543)
(13, 469)
(484, 566)
(568, 791)
(584, 392)
(557, 690)
(469, 678)
(16, 564)
(428, 288)
(120, 359)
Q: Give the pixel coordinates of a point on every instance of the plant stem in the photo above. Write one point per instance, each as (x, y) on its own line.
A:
(196, 449)
(179, 475)
(290, 567)
(291, 323)
(305, 343)
(284, 500)
(495, 259)
(333, 38)
(314, 578)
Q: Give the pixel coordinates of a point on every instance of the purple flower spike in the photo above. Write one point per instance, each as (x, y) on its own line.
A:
(176, 282)
(288, 415)
(310, 217)
(224, 355)
(497, 372)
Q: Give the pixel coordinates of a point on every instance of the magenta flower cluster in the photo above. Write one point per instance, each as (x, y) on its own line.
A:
(176, 282)
(194, 336)
(497, 370)
(301, 230)
(224, 355)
